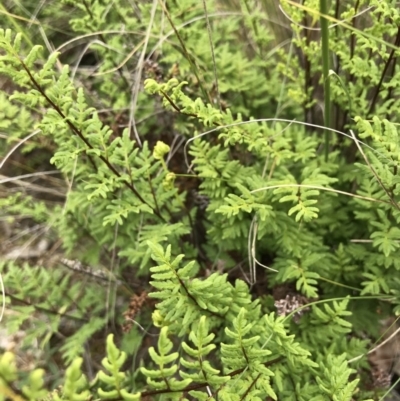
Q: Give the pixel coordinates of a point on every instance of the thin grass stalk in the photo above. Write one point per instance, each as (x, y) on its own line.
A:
(12, 18)
(323, 7)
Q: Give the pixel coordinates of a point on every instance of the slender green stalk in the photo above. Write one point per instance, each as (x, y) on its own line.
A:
(212, 54)
(186, 53)
(344, 25)
(323, 6)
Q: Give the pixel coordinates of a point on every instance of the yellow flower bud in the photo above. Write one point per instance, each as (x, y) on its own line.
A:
(160, 150)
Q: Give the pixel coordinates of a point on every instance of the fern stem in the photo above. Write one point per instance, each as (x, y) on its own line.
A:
(323, 4)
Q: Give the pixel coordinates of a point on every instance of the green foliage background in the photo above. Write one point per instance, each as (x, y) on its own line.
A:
(186, 143)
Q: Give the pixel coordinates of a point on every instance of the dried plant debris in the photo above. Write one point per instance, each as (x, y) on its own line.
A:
(293, 302)
(384, 360)
(134, 308)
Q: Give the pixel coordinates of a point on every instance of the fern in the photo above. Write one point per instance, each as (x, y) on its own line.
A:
(208, 185)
